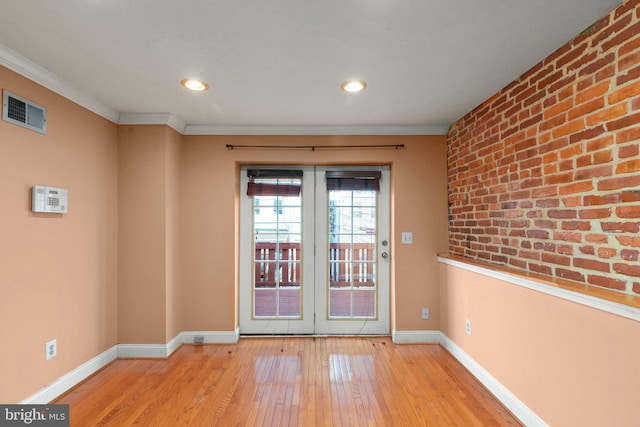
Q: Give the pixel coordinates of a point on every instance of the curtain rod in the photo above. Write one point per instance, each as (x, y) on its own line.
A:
(313, 147)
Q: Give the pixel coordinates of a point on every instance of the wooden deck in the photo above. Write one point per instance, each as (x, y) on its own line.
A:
(290, 381)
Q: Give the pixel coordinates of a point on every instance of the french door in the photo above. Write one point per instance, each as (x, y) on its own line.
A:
(314, 250)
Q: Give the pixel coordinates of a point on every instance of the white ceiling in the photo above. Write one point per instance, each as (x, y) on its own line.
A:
(278, 64)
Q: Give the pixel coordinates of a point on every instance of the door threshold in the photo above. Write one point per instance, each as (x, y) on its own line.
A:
(312, 335)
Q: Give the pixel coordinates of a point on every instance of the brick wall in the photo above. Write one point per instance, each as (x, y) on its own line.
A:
(545, 175)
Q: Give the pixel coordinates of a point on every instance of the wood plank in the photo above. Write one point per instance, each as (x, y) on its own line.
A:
(306, 381)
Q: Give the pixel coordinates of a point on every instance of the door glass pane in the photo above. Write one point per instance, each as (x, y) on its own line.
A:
(352, 254)
(277, 236)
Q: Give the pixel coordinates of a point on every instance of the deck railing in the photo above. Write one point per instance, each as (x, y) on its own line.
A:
(280, 264)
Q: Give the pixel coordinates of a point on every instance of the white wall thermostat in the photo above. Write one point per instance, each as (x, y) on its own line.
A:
(49, 199)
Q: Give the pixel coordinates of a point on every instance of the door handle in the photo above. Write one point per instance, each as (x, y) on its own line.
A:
(384, 255)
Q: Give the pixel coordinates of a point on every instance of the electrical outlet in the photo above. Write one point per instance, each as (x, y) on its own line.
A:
(425, 314)
(468, 326)
(198, 339)
(51, 349)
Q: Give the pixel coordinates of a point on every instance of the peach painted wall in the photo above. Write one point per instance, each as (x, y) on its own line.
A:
(58, 273)
(174, 168)
(142, 261)
(209, 218)
(570, 364)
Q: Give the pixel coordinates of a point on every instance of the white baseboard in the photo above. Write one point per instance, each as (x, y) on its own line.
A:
(230, 337)
(508, 399)
(400, 337)
(185, 337)
(66, 382)
(69, 380)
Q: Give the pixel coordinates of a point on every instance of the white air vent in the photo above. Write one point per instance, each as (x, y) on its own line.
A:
(23, 113)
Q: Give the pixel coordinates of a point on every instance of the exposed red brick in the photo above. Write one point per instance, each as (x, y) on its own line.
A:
(597, 64)
(627, 269)
(629, 241)
(620, 227)
(565, 249)
(628, 166)
(603, 116)
(627, 135)
(629, 46)
(545, 223)
(595, 213)
(518, 263)
(619, 183)
(537, 234)
(569, 128)
(597, 238)
(556, 259)
(605, 156)
(627, 61)
(560, 178)
(622, 37)
(599, 143)
(548, 168)
(586, 173)
(542, 269)
(630, 75)
(624, 93)
(547, 203)
(629, 120)
(627, 151)
(582, 110)
(578, 187)
(576, 225)
(623, 9)
(607, 252)
(587, 250)
(567, 236)
(606, 282)
(591, 264)
(564, 213)
(530, 255)
(630, 196)
(544, 246)
(569, 274)
(606, 199)
(558, 108)
(572, 201)
(606, 31)
(606, 73)
(629, 254)
(628, 211)
(593, 92)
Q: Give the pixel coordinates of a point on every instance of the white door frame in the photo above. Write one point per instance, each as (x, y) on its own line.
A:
(381, 324)
(314, 319)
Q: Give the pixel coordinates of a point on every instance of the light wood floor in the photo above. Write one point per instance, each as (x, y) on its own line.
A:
(289, 382)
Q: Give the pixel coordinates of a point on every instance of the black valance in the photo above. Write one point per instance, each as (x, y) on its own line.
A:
(270, 185)
(353, 180)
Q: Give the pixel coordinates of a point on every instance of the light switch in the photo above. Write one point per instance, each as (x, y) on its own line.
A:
(407, 238)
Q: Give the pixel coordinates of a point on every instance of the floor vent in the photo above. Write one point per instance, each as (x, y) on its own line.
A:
(23, 113)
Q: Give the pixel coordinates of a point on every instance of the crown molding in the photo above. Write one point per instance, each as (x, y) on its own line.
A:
(152, 119)
(315, 130)
(21, 65)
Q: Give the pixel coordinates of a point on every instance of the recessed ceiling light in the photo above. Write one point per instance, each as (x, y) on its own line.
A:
(353, 86)
(195, 85)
